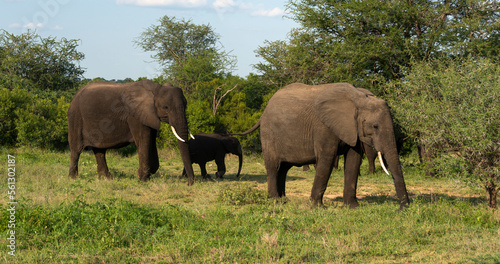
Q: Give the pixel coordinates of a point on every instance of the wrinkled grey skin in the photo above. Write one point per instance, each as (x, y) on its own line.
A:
(109, 115)
(304, 124)
(208, 147)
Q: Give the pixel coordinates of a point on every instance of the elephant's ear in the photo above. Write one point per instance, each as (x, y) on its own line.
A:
(139, 102)
(335, 109)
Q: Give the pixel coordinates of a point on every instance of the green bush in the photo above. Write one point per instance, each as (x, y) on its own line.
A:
(28, 120)
(237, 117)
(452, 108)
(10, 101)
(43, 124)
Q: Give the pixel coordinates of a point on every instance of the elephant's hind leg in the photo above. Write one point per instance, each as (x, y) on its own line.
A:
(281, 180)
(272, 168)
(276, 178)
(102, 166)
(73, 167)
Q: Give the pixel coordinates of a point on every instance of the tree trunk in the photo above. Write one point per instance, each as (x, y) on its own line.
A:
(492, 190)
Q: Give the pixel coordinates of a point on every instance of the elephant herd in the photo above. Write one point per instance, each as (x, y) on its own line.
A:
(302, 124)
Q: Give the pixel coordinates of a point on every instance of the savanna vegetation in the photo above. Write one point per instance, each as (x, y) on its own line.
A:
(92, 220)
(435, 62)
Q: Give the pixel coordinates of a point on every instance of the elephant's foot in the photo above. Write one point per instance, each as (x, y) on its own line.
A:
(220, 174)
(279, 200)
(316, 203)
(105, 175)
(353, 204)
(143, 176)
(207, 177)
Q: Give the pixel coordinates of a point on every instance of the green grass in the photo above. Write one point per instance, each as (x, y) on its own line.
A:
(91, 220)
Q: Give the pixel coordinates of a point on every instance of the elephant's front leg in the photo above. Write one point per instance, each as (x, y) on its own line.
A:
(351, 171)
(203, 169)
(148, 154)
(221, 166)
(324, 167)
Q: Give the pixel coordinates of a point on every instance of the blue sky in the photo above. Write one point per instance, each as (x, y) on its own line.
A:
(107, 28)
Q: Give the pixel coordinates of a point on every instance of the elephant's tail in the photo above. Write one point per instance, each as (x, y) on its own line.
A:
(257, 125)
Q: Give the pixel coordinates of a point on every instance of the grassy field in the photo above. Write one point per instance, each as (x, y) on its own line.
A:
(91, 220)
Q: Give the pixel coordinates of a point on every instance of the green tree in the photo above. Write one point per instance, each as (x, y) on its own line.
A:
(452, 107)
(370, 42)
(189, 54)
(47, 64)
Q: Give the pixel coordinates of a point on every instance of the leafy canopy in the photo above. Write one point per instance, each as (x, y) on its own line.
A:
(47, 64)
(372, 41)
(189, 54)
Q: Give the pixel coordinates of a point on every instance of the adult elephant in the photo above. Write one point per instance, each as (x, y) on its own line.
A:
(208, 147)
(305, 124)
(109, 115)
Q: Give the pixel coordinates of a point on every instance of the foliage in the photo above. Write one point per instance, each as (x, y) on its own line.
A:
(30, 120)
(451, 106)
(369, 42)
(44, 64)
(188, 52)
(10, 100)
(43, 124)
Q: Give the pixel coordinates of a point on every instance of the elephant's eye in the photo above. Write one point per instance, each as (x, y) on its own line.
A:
(375, 126)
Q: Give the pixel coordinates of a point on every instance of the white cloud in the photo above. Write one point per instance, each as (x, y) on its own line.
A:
(32, 25)
(185, 3)
(223, 4)
(269, 12)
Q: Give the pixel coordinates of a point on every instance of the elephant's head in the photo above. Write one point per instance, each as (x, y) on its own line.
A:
(151, 103)
(355, 114)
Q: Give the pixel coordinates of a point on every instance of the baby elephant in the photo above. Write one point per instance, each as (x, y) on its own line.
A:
(208, 147)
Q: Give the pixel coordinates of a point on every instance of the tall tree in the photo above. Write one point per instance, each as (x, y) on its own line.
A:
(371, 41)
(49, 64)
(190, 54)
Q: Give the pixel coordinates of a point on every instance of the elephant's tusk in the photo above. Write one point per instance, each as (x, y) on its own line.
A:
(176, 135)
(382, 162)
(191, 135)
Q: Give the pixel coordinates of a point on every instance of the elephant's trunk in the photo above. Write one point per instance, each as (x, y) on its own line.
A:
(392, 159)
(240, 159)
(182, 134)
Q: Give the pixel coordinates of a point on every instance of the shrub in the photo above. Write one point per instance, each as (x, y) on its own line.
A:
(10, 100)
(43, 124)
(452, 107)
